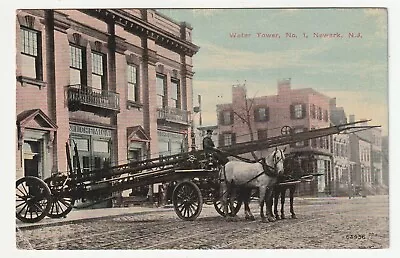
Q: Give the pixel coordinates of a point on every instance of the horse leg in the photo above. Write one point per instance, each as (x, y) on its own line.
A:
(283, 196)
(232, 197)
(291, 196)
(276, 194)
(268, 199)
(224, 199)
(246, 200)
(263, 190)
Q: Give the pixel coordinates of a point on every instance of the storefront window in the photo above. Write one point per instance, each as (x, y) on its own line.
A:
(100, 146)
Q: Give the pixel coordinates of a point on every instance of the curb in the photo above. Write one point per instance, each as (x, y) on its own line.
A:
(87, 219)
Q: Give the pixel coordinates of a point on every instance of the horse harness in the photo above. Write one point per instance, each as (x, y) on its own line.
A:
(267, 169)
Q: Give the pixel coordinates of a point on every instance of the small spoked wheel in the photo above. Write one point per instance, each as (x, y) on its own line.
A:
(232, 209)
(187, 200)
(61, 205)
(33, 199)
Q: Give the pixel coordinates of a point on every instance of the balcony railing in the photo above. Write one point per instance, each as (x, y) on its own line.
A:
(80, 96)
(172, 114)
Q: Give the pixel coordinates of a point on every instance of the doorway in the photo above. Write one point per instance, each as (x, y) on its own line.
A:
(32, 159)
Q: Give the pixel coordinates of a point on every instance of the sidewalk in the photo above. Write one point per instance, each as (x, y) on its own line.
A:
(91, 214)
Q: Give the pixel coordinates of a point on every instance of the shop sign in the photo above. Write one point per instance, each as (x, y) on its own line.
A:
(90, 130)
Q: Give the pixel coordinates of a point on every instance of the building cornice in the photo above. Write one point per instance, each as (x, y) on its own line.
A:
(143, 28)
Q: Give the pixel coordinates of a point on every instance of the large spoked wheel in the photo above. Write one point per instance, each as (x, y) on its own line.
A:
(33, 199)
(232, 209)
(187, 200)
(60, 205)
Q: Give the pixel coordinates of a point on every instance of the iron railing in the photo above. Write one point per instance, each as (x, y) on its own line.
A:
(172, 114)
(82, 94)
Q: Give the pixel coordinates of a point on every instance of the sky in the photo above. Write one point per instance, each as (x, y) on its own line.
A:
(352, 69)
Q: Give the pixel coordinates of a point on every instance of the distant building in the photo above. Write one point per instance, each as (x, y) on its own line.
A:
(340, 151)
(369, 159)
(265, 116)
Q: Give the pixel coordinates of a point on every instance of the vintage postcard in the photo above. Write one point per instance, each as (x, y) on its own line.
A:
(202, 128)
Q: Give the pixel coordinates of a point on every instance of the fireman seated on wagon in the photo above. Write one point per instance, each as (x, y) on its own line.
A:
(212, 153)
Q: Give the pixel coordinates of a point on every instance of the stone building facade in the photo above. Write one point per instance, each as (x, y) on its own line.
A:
(118, 83)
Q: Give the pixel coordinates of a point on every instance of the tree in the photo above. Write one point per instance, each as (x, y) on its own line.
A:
(243, 113)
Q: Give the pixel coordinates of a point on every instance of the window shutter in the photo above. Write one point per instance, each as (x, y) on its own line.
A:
(233, 135)
(303, 110)
(291, 111)
(231, 117)
(220, 140)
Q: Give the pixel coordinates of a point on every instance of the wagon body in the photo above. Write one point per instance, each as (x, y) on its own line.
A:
(196, 175)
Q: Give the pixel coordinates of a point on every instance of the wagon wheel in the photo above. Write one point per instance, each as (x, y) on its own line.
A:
(232, 209)
(61, 205)
(187, 200)
(33, 199)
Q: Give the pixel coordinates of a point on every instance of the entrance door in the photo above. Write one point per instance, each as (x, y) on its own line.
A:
(32, 158)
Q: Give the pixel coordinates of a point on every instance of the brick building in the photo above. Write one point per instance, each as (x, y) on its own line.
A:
(116, 82)
(341, 152)
(265, 116)
(367, 154)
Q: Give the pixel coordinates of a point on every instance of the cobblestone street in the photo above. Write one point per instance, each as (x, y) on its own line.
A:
(321, 223)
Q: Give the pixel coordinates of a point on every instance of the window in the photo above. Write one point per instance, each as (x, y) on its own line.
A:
(262, 134)
(77, 74)
(98, 71)
(319, 115)
(133, 87)
(226, 139)
(226, 117)
(175, 93)
(100, 146)
(31, 54)
(134, 155)
(81, 144)
(297, 111)
(261, 114)
(161, 90)
(326, 116)
(312, 111)
(313, 140)
(301, 143)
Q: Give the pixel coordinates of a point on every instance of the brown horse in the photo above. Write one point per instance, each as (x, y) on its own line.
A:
(293, 172)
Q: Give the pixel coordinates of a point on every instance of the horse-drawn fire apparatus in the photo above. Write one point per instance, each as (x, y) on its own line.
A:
(195, 174)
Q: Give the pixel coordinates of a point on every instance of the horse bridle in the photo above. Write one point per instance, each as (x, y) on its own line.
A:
(275, 160)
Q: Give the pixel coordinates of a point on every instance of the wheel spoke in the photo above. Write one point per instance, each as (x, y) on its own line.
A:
(51, 208)
(26, 212)
(22, 209)
(39, 207)
(26, 191)
(20, 204)
(23, 194)
(61, 208)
